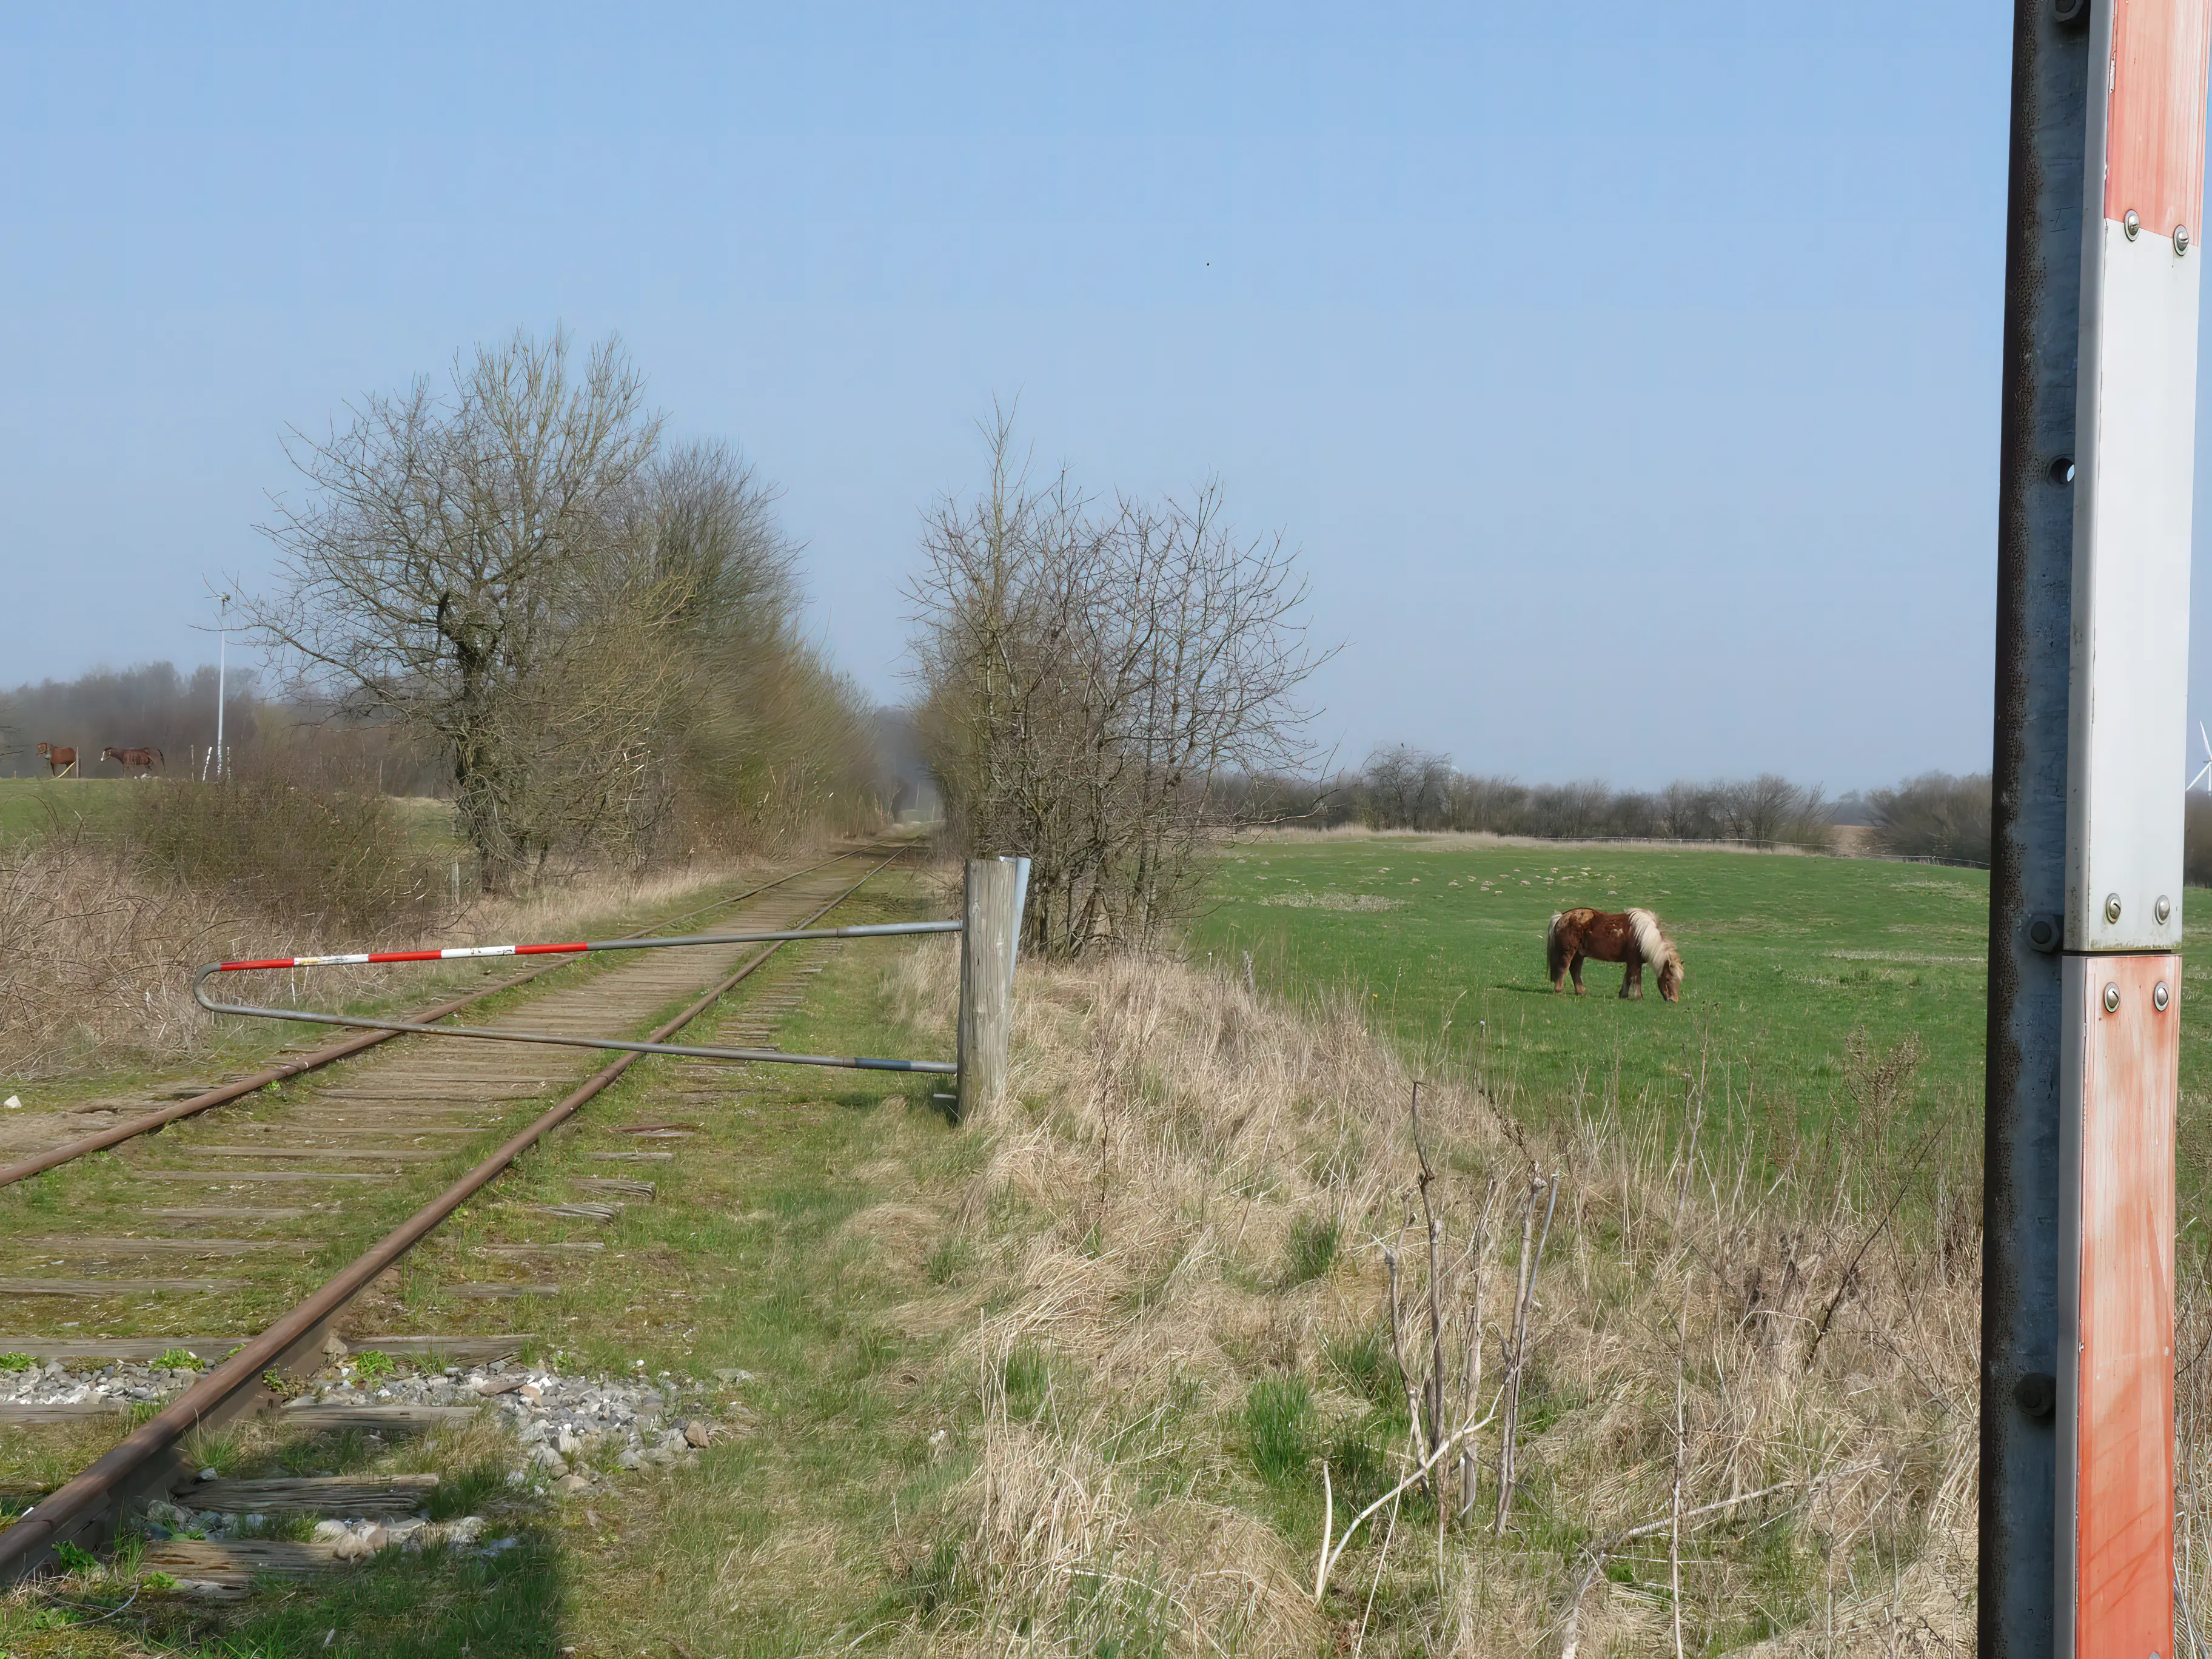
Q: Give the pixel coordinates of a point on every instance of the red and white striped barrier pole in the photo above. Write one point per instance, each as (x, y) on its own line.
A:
(359, 957)
(572, 947)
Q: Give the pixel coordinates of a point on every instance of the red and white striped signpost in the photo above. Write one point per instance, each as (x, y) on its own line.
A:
(2101, 398)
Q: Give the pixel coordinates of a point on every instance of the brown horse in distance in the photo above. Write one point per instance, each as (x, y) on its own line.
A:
(1629, 937)
(145, 760)
(58, 760)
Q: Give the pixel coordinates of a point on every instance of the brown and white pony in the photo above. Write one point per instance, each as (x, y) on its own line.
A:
(145, 760)
(1632, 937)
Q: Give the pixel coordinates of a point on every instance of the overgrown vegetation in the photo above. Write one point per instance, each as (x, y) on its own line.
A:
(324, 859)
(1091, 1374)
(590, 629)
(1934, 816)
(1088, 673)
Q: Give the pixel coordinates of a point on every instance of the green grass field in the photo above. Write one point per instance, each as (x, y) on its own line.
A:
(32, 807)
(1787, 957)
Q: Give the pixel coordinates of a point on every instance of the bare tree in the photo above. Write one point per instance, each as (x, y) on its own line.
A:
(453, 568)
(1408, 788)
(1087, 677)
(1770, 808)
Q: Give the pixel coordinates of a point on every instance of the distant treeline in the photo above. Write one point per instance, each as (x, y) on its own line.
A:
(1401, 787)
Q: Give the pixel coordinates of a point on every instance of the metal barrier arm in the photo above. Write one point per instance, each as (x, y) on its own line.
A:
(501, 1034)
(464, 951)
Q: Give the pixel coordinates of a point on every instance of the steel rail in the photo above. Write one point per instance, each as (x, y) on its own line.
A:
(130, 1128)
(25, 1546)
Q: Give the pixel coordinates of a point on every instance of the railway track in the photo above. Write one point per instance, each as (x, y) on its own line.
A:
(246, 1209)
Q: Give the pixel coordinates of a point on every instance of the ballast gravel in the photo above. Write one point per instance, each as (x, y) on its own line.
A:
(564, 1424)
(125, 1383)
(571, 1433)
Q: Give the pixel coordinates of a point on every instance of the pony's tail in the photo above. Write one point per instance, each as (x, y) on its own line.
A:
(1656, 948)
(1555, 949)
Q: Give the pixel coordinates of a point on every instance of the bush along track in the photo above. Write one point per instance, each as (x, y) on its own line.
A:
(442, 1108)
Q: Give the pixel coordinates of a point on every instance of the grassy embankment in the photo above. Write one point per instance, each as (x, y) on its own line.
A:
(1065, 1380)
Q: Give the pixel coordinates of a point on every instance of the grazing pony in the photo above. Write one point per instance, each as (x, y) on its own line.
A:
(144, 759)
(1632, 937)
(58, 760)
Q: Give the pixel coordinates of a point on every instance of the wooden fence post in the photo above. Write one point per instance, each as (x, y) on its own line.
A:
(991, 915)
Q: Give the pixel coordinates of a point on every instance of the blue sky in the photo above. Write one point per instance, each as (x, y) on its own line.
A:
(1628, 374)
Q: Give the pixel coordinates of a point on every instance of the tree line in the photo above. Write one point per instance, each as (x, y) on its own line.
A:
(1399, 787)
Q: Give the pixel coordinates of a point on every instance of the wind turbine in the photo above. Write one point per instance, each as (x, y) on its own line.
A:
(2203, 772)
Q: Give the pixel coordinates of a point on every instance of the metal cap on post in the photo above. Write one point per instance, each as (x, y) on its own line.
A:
(991, 915)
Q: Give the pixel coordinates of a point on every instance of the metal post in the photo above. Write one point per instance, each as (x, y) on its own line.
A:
(2027, 853)
(2100, 352)
(222, 682)
(991, 918)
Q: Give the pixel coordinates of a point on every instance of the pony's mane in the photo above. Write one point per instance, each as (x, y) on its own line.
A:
(1653, 945)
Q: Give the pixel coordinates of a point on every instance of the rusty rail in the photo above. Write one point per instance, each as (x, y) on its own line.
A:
(377, 1031)
(29, 1545)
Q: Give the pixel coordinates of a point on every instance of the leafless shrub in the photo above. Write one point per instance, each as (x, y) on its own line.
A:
(1934, 816)
(451, 569)
(318, 860)
(1087, 675)
(762, 741)
(98, 944)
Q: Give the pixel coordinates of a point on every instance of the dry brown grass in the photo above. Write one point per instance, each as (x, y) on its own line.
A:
(96, 955)
(1168, 1132)
(91, 953)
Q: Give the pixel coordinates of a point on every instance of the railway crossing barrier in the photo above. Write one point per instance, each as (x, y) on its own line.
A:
(994, 893)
